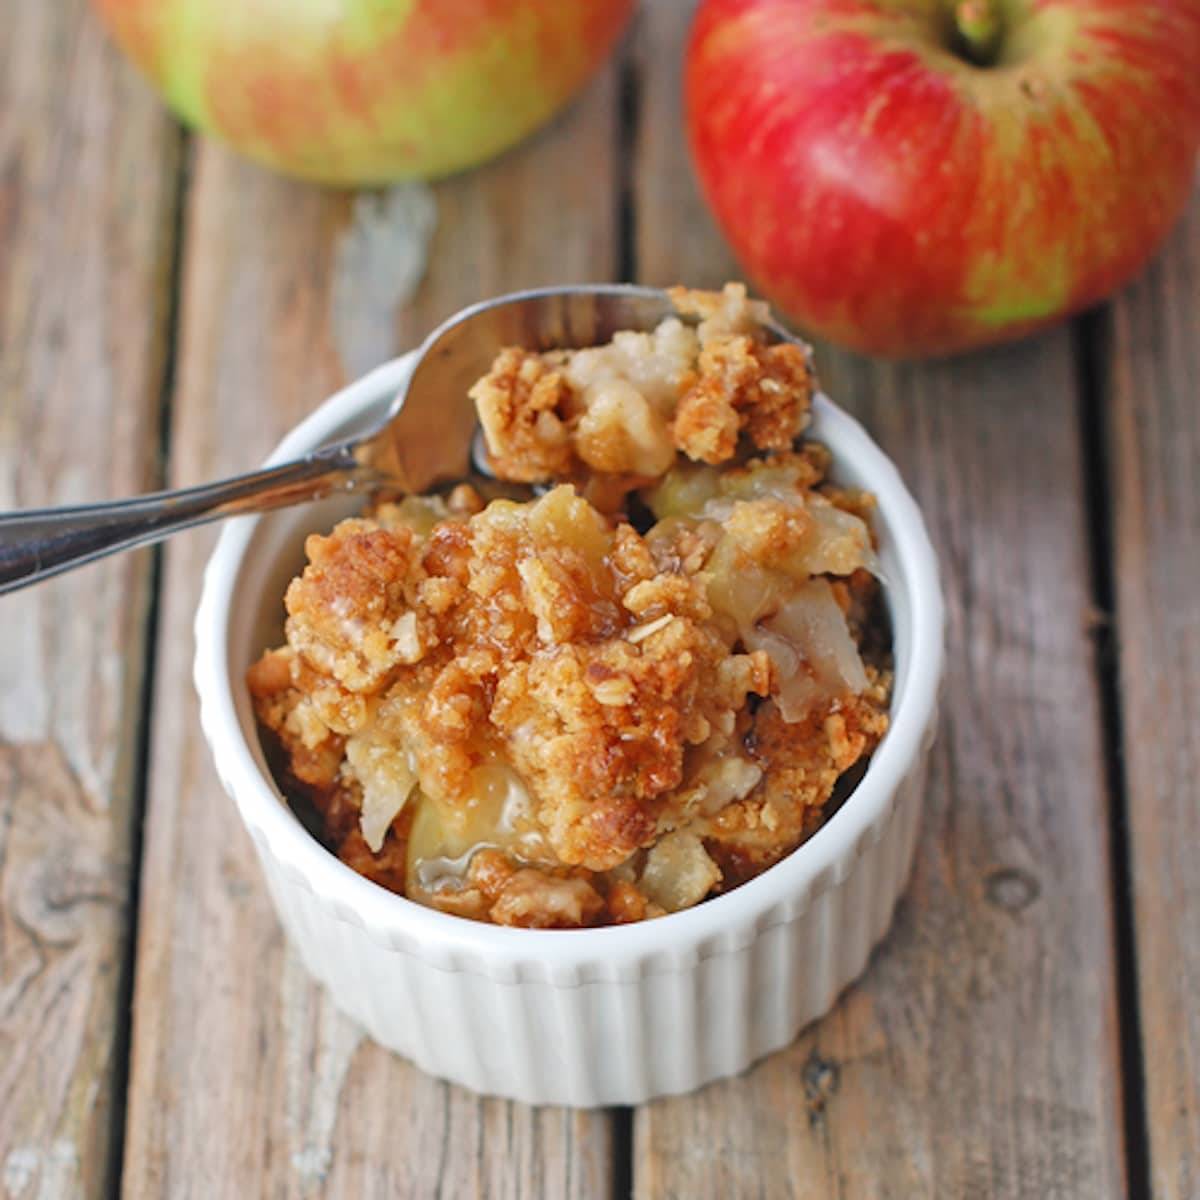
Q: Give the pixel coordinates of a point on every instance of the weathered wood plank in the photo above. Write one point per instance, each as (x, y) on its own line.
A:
(978, 1056)
(87, 170)
(245, 1082)
(1154, 450)
(675, 240)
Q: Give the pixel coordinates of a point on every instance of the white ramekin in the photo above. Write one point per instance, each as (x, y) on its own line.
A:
(582, 1017)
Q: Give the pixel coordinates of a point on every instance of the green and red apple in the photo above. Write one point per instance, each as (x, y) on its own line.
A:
(914, 177)
(367, 91)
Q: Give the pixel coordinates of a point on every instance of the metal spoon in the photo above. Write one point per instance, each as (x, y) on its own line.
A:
(426, 439)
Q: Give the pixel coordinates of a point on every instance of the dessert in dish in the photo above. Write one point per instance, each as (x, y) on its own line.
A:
(613, 700)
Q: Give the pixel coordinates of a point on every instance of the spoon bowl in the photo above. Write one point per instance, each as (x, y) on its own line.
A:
(427, 438)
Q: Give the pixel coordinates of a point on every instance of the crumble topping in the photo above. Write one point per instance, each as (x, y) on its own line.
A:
(626, 408)
(606, 703)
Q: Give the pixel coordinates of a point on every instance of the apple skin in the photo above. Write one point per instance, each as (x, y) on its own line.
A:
(367, 91)
(895, 198)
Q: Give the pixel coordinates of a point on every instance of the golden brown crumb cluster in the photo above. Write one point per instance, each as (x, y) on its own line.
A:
(626, 408)
(534, 714)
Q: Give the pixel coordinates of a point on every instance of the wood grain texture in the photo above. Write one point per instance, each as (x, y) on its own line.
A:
(675, 238)
(978, 1055)
(87, 163)
(245, 1081)
(1154, 412)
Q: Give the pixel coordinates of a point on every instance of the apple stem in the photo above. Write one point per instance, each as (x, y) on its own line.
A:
(977, 27)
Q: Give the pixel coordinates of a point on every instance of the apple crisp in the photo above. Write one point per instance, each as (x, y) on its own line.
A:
(638, 688)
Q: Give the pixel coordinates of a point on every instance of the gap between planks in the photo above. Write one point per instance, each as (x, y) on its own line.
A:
(123, 1043)
(1153, 442)
(1092, 336)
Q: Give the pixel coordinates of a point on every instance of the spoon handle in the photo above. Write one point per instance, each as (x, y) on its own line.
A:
(39, 543)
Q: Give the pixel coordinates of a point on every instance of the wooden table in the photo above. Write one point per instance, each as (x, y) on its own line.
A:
(1030, 1029)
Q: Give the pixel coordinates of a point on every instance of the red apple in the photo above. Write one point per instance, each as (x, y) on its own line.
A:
(914, 177)
(365, 91)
